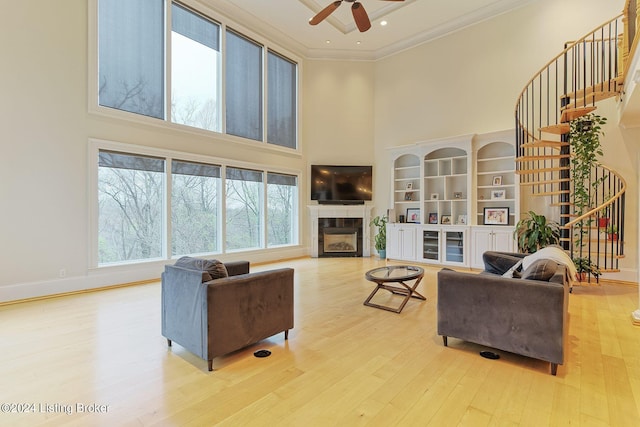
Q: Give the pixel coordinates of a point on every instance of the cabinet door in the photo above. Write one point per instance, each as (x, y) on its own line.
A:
(503, 240)
(430, 245)
(408, 244)
(482, 241)
(454, 247)
(393, 241)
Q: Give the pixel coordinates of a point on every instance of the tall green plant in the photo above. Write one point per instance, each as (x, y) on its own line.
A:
(584, 138)
(535, 232)
(380, 239)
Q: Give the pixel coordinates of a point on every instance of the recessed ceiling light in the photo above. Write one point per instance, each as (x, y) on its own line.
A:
(383, 23)
(328, 42)
(358, 42)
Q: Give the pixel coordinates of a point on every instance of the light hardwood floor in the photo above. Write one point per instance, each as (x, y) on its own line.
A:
(344, 364)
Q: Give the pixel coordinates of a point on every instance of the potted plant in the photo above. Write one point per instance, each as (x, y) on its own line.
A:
(585, 266)
(380, 239)
(535, 232)
(612, 232)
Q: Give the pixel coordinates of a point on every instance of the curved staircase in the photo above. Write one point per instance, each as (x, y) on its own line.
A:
(568, 87)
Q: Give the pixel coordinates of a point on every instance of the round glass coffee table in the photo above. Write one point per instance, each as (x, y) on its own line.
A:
(392, 278)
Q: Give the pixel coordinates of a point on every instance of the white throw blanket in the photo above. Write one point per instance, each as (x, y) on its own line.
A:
(554, 253)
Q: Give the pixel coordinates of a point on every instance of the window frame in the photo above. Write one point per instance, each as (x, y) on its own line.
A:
(96, 145)
(93, 80)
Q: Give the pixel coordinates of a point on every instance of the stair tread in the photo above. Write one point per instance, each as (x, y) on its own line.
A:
(609, 86)
(547, 182)
(542, 143)
(593, 97)
(543, 157)
(536, 171)
(573, 113)
(559, 129)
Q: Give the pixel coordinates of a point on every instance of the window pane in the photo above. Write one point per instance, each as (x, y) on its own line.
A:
(130, 207)
(244, 209)
(282, 94)
(131, 55)
(194, 208)
(243, 87)
(195, 70)
(282, 200)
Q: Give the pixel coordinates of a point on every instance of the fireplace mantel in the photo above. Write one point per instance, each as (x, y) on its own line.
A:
(341, 211)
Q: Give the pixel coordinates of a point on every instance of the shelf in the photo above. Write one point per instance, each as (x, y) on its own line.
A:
(404, 168)
(490, 159)
(496, 172)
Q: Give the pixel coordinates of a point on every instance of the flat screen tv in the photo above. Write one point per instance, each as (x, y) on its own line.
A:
(341, 184)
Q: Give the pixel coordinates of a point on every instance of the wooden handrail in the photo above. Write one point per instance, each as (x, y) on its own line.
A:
(604, 205)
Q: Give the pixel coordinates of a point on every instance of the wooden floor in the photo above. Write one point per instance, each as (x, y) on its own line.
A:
(344, 364)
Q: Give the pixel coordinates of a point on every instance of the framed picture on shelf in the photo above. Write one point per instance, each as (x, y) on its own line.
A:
(457, 194)
(409, 186)
(462, 219)
(408, 195)
(413, 215)
(446, 220)
(434, 196)
(497, 180)
(498, 194)
(496, 216)
(433, 218)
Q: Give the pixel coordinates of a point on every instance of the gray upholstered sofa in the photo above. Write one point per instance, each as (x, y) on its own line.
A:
(518, 315)
(212, 309)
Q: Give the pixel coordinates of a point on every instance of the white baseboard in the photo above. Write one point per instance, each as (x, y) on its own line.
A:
(131, 273)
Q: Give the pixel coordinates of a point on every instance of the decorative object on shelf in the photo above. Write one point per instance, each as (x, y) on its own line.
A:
(380, 239)
(497, 180)
(433, 218)
(408, 196)
(446, 219)
(536, 232)
(496, 216)
(585, 266)
(413, 215)
(457, 194)
(434, 196)
(498, 194)
(409, 186)
(462, 219)
(401, 218)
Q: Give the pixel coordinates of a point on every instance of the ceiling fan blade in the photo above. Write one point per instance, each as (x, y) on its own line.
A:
(324, 13)
(360, 16)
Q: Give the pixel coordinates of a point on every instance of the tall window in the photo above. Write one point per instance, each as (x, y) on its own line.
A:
(130, 207)
(282, 105)
(195, 70)
(195, 208)
(244, 189)
(243, 87)
(282, 200)
(131, 56)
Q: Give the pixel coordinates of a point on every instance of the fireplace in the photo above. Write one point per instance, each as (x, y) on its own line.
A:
(340, 237)
(340, 230)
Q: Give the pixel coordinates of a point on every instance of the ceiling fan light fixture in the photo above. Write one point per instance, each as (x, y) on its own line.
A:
(359, 14)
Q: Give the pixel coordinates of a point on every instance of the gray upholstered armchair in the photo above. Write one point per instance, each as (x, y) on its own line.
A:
(212, 309)
(527, 315)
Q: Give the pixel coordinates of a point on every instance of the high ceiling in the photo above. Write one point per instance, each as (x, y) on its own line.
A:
(408, 23)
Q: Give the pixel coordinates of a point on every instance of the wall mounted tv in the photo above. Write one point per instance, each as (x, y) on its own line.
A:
(341, 184)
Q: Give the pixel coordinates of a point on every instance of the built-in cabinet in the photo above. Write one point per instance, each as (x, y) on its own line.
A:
(490, 239)
(446, 192)
(401, 241)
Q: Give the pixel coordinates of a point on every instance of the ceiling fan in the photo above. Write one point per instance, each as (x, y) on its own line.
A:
(359, 14)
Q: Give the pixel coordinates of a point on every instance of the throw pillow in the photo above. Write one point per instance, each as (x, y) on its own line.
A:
(210, 268)
(542, 269)
(554, 253)
(499, 262)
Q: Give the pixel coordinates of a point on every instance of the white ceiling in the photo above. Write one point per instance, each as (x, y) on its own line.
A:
(410, 22)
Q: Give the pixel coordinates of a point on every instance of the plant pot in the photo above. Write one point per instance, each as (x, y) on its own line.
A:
(382, 253)
(582, 276)
(612, 236)
(603, 222)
